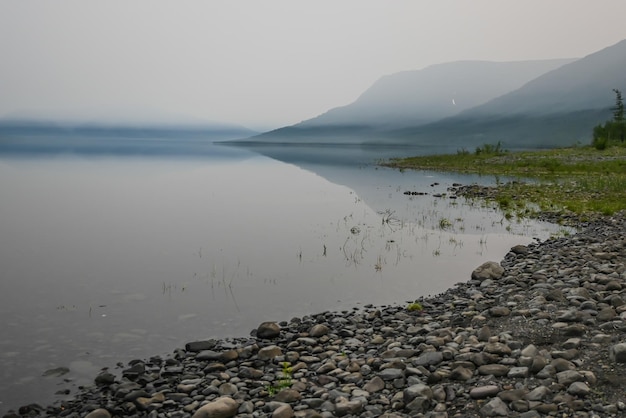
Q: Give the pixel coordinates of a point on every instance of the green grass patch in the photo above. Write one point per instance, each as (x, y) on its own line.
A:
(581, 180)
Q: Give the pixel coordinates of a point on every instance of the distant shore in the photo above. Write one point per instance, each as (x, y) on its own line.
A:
(567, 185)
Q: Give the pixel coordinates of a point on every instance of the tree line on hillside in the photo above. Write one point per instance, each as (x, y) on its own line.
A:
(612, 132)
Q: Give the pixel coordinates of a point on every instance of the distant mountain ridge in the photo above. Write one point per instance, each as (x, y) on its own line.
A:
(558, 108)
(207, 130)
(411, 98)
(468, 103)
(434, 92)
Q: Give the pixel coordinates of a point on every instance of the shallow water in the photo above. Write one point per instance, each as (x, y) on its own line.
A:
(110, 258)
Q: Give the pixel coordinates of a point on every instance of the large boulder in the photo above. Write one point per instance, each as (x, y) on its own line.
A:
(489, 270)
(223, 407)
(268, 330)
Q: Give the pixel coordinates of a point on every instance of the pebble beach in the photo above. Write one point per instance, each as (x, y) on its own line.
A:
(540, 333)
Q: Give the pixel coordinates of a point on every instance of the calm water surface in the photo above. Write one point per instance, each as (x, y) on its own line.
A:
(110, 258)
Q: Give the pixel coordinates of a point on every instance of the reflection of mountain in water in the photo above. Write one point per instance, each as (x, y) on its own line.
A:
(381, 188)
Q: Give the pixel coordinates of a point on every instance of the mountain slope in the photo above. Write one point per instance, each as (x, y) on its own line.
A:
(558, 108)
(413, 98)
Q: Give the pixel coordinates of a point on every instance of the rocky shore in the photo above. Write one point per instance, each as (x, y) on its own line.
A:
(541, 333)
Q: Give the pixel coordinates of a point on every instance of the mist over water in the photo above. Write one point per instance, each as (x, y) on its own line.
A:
(110, 258)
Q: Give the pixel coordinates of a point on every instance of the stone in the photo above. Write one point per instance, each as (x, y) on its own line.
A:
(518, 372)
(576, 330)
(519, 249)
(529, 351)
(197, 346)
(538, 394)
(429, 358)
(418, 405)
(224, 407)
(496, 370)
(495, 408)
(283, 411)
(227, 388)
(499, 311)
(391, 374)
(484, 333)
(269, 352)
(376, 384)
(571, 343)
(319, 330)
(418, 390)
(268, 330)
(98, 413)
(497, 348)
(346, 407)
(512, 395)
(569, 376)
(617, 353)
(579, 389)
(606, 314)
(482, 392)
(461, 373)
(105, 379)
(288, 396)
(488, 270)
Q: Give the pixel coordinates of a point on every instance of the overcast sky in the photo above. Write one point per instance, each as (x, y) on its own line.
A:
(267, 63)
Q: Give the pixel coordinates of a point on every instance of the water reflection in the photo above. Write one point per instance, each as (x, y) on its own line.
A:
(108, 259)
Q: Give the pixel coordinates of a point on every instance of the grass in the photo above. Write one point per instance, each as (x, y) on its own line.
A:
(579, 180)
(284, 382)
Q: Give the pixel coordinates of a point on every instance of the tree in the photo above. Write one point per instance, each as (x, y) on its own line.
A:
(603, 135)
(618, 115)
(618, 110)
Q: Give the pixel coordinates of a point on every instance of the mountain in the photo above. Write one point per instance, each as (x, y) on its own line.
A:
(558, 108)
(208, 130)
(20, 136)
(413, 98)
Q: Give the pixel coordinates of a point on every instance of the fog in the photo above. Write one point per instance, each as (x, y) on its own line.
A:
(261, 64)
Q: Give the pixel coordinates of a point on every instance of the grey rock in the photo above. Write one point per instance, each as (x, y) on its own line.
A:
(376, 384)
(430, 358)
(496, 370)
(269, 352)
(221, 408)
(579, 389)
(418, 405)
(518, 372)
(196, 346)
(495, 408)
(346, 407)
(319, 330)
(418, 390)
(283, 411)
(538, 394)
(567, 377)
(461, 373)
(98, 413)
(391, 374)
(488, 270)
(617, 353)
(482, 392)
(268, 330)
(497, 348)
(519, 249)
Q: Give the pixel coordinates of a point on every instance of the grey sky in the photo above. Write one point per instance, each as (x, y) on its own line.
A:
(263, 63)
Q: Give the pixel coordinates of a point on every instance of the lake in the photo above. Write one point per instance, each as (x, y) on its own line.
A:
(109, 256)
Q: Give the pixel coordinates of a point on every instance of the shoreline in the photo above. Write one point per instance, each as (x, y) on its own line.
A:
(543, 334)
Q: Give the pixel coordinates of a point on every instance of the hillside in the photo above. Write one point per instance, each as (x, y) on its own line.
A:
(412, 98)
(558, 108)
